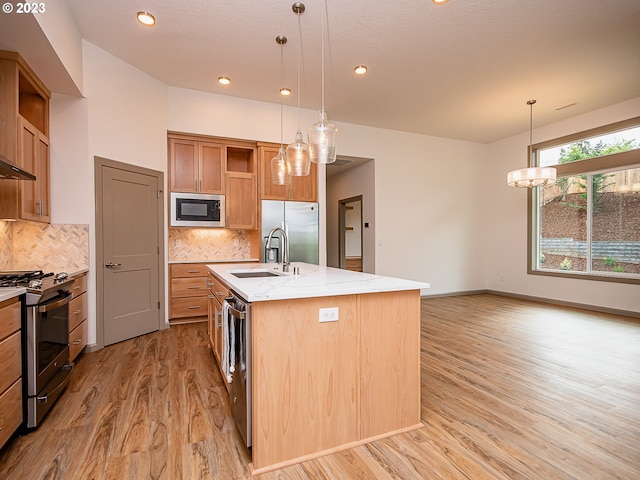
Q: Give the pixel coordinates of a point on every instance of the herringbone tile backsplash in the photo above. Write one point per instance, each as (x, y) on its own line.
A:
(201, 244)
(46, 247)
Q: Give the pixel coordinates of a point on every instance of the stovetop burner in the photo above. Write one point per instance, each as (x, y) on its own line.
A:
(32, 279)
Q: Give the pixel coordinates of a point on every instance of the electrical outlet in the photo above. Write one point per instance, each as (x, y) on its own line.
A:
(328, 314)
(178, 243)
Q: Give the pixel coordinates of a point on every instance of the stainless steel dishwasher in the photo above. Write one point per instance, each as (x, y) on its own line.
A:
(239, 318)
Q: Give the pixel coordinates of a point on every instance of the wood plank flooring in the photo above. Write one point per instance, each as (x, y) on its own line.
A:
(510, 390)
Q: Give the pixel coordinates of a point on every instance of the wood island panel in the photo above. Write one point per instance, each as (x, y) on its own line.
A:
(389, 362)
(304, 377)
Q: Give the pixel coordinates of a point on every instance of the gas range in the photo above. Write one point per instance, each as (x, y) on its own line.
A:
(37, 283)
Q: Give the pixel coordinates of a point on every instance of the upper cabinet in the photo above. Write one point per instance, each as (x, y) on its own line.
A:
(199, 164)
(24, 140)
(303, 189)
(242, 187)
(196, 166)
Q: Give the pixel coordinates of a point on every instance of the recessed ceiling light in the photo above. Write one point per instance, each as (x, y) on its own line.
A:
(440, 2)
(360, 69)
(224, 80)
(285, 91)
(145, 18)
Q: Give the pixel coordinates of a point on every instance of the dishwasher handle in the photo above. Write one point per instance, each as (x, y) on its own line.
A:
(234, 311)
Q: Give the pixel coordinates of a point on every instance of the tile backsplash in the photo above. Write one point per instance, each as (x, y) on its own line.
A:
(215, 244)
(48, 247)
(6, 245)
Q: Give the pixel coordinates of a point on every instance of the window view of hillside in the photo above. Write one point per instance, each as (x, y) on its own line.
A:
(591, 222)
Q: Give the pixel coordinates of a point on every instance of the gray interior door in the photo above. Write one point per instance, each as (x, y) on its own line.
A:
(130, 250)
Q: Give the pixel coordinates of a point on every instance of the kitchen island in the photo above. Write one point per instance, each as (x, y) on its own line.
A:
(335, 358)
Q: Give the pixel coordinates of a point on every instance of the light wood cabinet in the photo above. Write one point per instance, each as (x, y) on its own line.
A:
(188, 292)
(241, 188)
(218, 291)
(10, 369)
(34, 157)
(302, 189)
(196, 166)
(24, 117)
(78, 309)
(365, 366)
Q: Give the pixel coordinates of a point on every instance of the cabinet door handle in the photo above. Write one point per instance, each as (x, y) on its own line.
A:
(194, 287)
(77, 342)
(76, 312)
(111, 265)
(218, 315)
(194, 307)
(220, 293)
(193, 271)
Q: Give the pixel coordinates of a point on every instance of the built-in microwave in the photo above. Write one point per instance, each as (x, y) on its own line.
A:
(197, 210)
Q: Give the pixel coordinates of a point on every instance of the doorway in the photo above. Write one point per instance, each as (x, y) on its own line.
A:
(350, 249)
(129, 251)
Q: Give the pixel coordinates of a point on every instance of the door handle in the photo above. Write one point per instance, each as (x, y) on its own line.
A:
(111, 265)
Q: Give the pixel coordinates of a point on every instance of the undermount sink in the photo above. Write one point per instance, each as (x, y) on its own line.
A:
(254, 273)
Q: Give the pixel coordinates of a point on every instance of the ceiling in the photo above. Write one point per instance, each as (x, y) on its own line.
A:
(462, 70)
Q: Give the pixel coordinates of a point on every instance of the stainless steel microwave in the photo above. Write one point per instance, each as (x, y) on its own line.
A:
(197, 210)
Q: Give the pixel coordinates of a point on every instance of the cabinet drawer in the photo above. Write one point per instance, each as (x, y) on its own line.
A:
(189, 307)
(188, 287)
(219, 289)
(77, 311)
(10, 361)
(77, 340)
(79, 286)
(10, 411)
(9, 317)
(188, 270)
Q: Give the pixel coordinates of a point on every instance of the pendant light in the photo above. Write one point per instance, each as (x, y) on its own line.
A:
(323, 135)
(532, 176)
(280, 173)
(298, 151)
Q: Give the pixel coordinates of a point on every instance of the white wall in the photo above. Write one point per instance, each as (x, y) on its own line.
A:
(123, 118)
(505, 230)
(428, 206)
(355, 181)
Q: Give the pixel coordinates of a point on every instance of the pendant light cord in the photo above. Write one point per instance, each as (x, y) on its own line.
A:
(281, 86)
(324, 8)
(298, 68)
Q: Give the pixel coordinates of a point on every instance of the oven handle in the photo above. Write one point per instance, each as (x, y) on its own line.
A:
(47, 307)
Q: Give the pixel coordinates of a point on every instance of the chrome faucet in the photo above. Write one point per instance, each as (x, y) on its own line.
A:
(285, 247)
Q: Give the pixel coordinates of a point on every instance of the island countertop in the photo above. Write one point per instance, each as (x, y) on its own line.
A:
(312, 281)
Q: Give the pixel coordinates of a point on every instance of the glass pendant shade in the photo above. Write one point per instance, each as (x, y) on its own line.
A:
(531, 177)
(323, 140)
(280, 174)
(298, 157)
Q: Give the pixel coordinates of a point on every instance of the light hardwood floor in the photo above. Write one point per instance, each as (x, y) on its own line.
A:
(510, 390)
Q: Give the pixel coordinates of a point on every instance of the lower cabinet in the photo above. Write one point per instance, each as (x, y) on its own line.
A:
(10, 369)
(218, 291)
(78, 317)
(188, 291)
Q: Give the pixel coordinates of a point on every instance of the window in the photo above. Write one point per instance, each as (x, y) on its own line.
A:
(587, 225)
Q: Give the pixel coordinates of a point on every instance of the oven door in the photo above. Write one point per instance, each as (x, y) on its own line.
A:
(47, 340)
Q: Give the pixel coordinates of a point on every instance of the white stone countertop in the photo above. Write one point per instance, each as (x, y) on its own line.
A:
(244, 260)
(312, 281)
(7, 293)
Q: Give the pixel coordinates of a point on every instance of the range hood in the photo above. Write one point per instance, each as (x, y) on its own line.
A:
(9, 170)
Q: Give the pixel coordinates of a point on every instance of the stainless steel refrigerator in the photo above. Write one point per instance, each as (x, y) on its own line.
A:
(300, 221)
